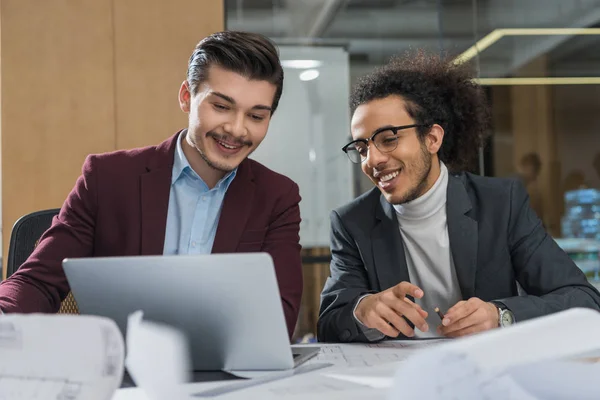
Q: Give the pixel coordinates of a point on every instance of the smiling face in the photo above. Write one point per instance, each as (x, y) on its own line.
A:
(228, 118)
(409, 170)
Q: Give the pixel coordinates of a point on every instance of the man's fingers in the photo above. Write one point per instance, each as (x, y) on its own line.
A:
(398, 322)
(410, 311)
(478, 318)
(382, 326)
(461, 311)
(407, 289)
(456, 307)
(385, 319)
(416, 318)
(461, 324)
(423, 313)
(467, 331)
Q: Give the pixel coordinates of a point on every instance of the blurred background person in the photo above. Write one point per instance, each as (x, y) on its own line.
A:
(529, 171)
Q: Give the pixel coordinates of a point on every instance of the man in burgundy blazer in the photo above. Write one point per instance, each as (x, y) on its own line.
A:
(120, 203)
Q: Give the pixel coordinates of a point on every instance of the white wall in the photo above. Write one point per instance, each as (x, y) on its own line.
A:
(306, 135)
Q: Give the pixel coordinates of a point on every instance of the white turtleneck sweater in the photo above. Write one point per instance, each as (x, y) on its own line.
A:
(424, 230)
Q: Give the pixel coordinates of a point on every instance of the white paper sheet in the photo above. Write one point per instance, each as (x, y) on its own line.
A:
(157, 358)
(312, 386)
(130, 394)
(303, 385)
(445, 375)
(59, 357)
(530, 361)
(357, 355)
(189, 390)
(454, 375)
(555, 336)
(379, 377)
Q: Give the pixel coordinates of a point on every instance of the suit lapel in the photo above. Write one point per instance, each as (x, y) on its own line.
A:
(388, 247)
(155, 188)
(237, 206)
(462, 232)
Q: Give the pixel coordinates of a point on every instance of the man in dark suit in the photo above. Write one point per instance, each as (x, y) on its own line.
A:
(195, 193)
(430, 236)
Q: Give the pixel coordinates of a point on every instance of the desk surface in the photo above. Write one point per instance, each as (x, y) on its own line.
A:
(332, 356)
(197, 377)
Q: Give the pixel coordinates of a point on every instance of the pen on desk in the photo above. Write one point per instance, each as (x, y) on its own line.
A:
(439, 313)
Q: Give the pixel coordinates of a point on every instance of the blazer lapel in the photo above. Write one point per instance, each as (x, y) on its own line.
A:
(462, 232)
(237, 206)
(388, 247)
(155, 188)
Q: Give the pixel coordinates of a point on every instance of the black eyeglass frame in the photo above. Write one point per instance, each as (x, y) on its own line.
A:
(394, 129)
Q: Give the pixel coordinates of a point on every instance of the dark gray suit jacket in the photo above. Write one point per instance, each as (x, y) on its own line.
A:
(496, 240)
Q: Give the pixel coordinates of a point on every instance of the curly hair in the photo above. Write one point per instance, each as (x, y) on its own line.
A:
(436, 91)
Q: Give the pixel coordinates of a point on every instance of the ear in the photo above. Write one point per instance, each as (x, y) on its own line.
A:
(434, 139)
(185, 97)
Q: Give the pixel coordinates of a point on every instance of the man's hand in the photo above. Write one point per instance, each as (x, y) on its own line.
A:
(384, 311)
(467, 317)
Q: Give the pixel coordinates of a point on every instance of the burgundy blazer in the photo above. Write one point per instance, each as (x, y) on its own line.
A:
(119, 206)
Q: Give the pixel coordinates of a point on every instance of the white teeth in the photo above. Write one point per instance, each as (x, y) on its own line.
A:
(388, 177)
(227, 146)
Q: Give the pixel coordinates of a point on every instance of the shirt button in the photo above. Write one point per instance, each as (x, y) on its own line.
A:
(193, 244)
(203, 198)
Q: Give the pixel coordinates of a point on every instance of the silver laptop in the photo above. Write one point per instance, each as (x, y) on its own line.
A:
(228, 305)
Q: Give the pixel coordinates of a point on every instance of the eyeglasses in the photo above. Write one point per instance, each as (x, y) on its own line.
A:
(385, 139)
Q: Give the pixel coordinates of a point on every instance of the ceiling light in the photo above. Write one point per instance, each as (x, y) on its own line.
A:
(301, 64)
(584, 80)
(309, 75)
(498, 34)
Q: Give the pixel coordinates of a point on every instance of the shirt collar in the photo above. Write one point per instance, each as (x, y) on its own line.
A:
(181, 167)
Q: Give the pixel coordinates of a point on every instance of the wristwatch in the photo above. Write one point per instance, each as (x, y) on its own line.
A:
(505, 316)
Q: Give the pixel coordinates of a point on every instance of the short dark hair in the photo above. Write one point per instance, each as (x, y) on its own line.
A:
(436, 91)
(249, 54)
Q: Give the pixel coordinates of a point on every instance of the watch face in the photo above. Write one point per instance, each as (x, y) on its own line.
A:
(507, 318)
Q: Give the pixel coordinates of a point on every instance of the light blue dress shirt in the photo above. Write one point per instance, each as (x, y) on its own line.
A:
(194, 209)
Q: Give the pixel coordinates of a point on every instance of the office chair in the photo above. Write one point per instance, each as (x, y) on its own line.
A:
(24, 238)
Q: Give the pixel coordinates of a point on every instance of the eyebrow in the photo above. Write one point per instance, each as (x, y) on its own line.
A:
(232, 101)
(382, 128)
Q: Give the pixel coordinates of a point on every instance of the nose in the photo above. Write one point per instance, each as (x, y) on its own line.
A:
(375, 157)
(236, 126)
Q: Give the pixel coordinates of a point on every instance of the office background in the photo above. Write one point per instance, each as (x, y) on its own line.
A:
(551, 110)
(88, 76)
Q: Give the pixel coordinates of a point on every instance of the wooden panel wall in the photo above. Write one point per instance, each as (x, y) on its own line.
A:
(533, 131)
(315, 275)
(155, 39)
(87, 76)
